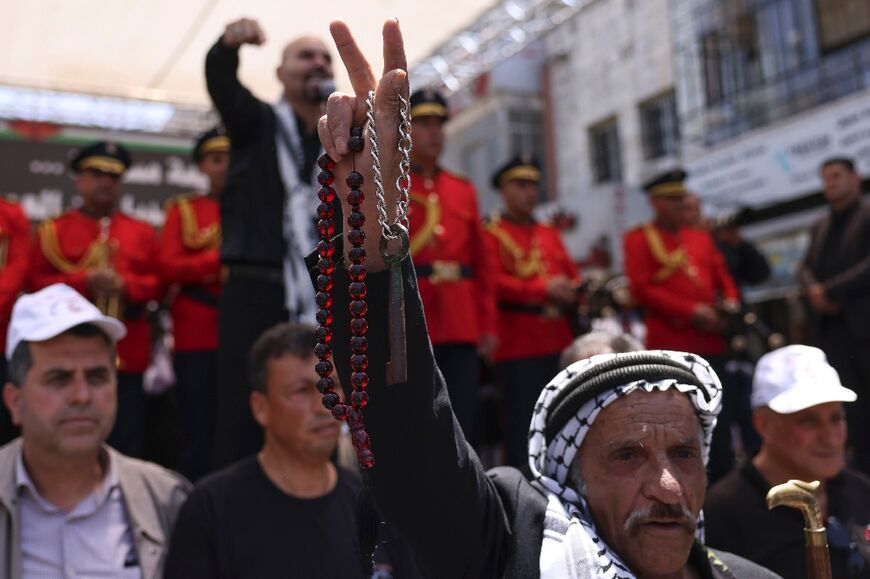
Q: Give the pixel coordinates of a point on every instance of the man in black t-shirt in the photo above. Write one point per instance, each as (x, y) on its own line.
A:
(798, 402)
(288, 511)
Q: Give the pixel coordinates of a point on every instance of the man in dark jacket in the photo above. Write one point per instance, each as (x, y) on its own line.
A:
(836, 276)
(639, 425)
(267, 211)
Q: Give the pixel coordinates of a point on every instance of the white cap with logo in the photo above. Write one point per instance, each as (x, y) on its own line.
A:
(794, 378)
(50, 312)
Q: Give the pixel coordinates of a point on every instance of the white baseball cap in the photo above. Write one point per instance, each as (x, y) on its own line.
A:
(50, 312)
(794, 378)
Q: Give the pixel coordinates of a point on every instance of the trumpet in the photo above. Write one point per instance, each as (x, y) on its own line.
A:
(108, 302)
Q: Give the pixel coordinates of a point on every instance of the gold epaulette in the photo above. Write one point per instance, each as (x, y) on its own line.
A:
(47, 234)
(424, 235)
(670, 262)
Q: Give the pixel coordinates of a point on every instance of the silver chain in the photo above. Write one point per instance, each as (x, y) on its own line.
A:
(390, 231)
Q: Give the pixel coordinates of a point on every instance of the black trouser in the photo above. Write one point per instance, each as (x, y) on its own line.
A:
(196, 390)
(460, 367)
(851, 359)
(249, 305)
(8, 431)
(522, 382)
(128, 434)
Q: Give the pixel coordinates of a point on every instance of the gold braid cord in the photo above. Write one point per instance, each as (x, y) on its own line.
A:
(425, 234)
(51, 249)
(526, 265)
(191, 235)
(671, 262)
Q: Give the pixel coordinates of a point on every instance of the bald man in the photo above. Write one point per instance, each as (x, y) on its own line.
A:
(267, 211)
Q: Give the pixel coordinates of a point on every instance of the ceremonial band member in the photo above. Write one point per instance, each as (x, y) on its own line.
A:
(14, 267)
(678, 276)
(617, 444)
(267, 211)
(190, 260)
(447, 243)
(110, 258)
(535, 285)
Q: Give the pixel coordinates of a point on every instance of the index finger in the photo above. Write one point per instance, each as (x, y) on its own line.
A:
(394, 47)
(358, 69)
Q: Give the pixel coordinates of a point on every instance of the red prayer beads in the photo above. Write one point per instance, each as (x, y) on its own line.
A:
(358, 308)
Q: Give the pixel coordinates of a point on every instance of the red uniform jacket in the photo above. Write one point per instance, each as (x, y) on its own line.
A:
(529, 254)
(671, 273)
(190, 258)
(70, 245)
(453, 268)
(14, 260)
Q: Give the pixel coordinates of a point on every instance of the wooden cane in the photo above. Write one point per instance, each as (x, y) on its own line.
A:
(800, 495)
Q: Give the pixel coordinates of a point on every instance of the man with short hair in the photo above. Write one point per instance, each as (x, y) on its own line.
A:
(190, 265)
(598, 342)
(836, 276)
(286, 511)
(69, 504)
(267, 211)
(617, 443)
(110, 258)
(798, 411)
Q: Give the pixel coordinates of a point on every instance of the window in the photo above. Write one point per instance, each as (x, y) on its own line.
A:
(659, 128)
(842, 21)
(604, 145)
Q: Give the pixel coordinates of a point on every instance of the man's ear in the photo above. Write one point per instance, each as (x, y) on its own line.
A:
(762, 421)
(259, 408)
(12, 397)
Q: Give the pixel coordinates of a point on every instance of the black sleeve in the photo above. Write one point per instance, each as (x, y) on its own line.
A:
(238, 108)
(427, 481)
(855, 281)
(191, 548)
(754, 268)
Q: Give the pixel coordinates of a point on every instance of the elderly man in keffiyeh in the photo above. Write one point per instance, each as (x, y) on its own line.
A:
(617, 445)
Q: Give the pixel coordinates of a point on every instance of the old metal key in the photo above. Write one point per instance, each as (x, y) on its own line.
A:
(397, 367)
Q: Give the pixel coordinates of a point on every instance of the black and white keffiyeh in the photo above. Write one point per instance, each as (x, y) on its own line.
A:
(571, 546)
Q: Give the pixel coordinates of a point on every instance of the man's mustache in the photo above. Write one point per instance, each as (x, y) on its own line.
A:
(660, 513)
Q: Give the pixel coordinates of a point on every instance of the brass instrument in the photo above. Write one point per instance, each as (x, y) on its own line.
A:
(799, 495)
(108, 302)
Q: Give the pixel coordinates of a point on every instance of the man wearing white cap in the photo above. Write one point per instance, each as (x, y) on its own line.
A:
(797, 400)
(69, 504)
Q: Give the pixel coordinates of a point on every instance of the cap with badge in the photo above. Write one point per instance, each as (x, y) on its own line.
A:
(794, 378)
(428, 103)
(51, 311)
(105, 157)
(669, 184)
(521, 167)
(212, 141)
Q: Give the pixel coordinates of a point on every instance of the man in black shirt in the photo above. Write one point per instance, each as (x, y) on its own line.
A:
(799, 414)
(288, 511)
(836, 276)
(267, 211)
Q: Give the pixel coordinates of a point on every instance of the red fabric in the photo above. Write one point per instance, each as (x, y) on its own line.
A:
(521, 334)
(456, 311)
(135, 261)
(15, 235)
(194, 324)
(669, 304)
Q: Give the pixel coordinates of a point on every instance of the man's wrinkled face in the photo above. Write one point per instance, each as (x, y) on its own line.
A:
(427, 133)
(811, 443)
(306, 63)
(98, 189)
(840, 184)
(67, 403)
(642, 466)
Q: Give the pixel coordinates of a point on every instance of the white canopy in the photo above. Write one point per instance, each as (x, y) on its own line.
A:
(155, 49)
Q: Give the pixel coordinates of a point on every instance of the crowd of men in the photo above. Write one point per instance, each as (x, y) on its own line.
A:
(609, 443)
